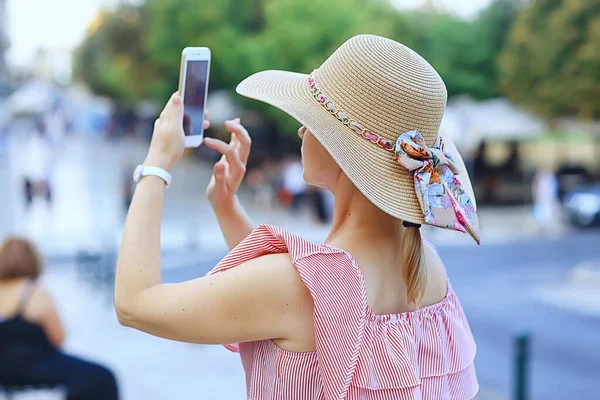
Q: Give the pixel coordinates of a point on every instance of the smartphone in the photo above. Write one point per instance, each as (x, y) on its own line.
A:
(193, 88)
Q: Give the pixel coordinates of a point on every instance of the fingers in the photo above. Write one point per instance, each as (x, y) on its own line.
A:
(237, 168)
(206, 121)
(219, 174)
(187, 125)
(242, 136)
(234, 140)
(301, 132)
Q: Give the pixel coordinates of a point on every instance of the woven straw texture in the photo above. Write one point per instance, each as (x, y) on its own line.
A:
(385, 86)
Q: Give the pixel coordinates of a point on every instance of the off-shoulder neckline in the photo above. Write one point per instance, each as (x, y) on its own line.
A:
(394, 317)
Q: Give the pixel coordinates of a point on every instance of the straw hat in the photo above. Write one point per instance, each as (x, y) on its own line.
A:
(385, 87)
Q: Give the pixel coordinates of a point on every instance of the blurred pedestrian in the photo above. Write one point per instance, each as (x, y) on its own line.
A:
(368, 314)
(321, 206)
(545, 199)
(292, 189)
(37, 167)
(54, 122)
(31, 333)
(260, 191)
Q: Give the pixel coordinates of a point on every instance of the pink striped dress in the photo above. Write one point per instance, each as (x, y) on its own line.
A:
(425, 354)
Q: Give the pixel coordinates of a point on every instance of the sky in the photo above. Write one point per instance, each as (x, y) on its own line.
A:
(61, 24)
(56, 24)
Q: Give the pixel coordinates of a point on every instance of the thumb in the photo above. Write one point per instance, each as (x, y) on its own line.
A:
(176, 105)
(173, 112)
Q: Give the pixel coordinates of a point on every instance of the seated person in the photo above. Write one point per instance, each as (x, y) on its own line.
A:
(31, 333)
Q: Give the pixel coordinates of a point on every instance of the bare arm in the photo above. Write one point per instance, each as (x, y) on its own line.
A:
(139, 261)
(41, 304)
(259, 299)
(228, 174)
(234, 222)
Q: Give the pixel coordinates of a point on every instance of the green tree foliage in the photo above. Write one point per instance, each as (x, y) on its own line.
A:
(135, 52)
(551, 61)
(465, 52)
(450, 45)
(298, 37)
(113, 60)
(245, 36)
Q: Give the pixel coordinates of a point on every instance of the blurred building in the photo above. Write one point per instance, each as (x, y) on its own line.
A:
(53, 65)
(4, 44)
(503, 146)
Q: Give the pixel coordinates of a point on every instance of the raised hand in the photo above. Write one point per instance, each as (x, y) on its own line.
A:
(168, 138)
(229, 171)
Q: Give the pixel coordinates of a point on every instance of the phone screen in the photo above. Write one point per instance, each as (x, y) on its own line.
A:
(194, 97)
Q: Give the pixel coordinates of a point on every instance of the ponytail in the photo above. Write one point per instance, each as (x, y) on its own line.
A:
(413, 268)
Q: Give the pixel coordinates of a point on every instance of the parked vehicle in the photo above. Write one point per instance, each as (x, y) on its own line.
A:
(582, 205)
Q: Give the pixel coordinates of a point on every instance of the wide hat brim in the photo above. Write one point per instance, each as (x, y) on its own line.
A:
(370, 168)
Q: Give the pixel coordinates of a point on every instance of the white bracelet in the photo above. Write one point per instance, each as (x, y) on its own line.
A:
(145, 170)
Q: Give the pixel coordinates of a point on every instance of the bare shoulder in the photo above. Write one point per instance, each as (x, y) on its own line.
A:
(432, 256)
(275, 274)
(41, 310)
(280, 263)
(436, 271)
(40, 302)
(265, 268)
(289, 298)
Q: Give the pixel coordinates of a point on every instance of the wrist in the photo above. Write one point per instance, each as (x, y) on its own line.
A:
(151, 170)
(152, 180)
(225, 207)
(153, 160)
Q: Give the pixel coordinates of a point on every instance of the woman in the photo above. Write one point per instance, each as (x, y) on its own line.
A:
(369, 314)
(31, 333)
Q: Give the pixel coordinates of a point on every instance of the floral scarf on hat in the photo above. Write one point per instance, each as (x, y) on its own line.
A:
(441, 196)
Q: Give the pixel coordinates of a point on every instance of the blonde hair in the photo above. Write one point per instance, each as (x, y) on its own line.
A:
(19, 259)
(413, 265)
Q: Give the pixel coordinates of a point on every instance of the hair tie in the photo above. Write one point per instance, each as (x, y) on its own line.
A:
(407, 224)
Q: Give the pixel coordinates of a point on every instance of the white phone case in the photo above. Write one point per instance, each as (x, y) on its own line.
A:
(194, 54)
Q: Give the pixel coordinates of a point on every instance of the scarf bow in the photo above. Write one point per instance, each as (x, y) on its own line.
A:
(441, 196)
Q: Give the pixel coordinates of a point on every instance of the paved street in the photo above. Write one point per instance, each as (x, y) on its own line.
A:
(507, 290)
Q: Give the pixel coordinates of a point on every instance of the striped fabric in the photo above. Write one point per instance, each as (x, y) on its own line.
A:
(425, 354)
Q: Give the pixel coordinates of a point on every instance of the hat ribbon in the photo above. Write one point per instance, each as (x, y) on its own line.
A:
(441, 196)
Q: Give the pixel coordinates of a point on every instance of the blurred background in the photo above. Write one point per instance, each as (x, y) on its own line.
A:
(82, 81)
